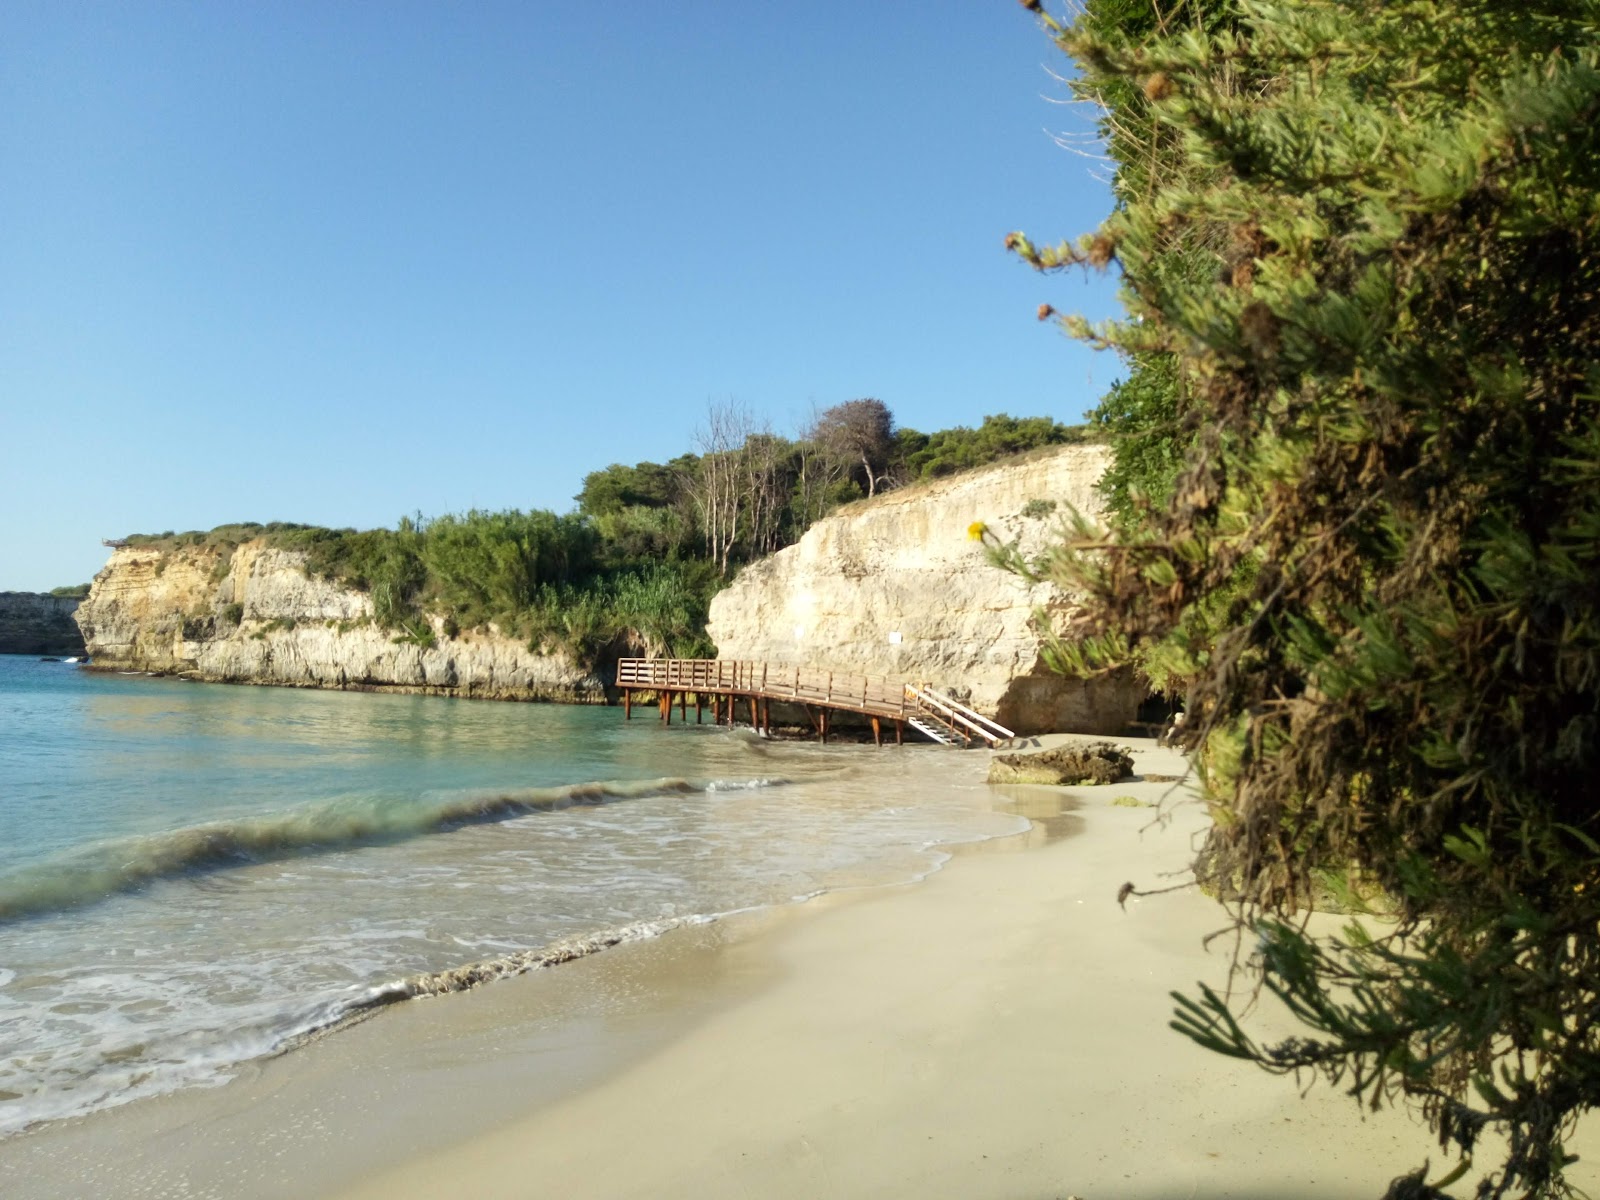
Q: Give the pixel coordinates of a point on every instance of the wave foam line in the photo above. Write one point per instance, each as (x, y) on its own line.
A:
(181, 1064)
(470, 975)
(90, 873)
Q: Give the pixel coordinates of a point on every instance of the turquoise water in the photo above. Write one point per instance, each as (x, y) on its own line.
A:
(193, 875)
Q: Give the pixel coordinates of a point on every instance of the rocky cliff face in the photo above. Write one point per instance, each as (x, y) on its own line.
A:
(895, 586)
(34, 623)
(257, 616)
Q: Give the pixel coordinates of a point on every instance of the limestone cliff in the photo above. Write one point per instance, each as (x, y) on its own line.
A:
(895, 586)
(35, 623)
(257, 616)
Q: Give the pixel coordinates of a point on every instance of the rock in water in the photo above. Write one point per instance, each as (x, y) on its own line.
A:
(1075, 763)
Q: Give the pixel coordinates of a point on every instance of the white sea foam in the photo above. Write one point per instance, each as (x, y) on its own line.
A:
(492, 862)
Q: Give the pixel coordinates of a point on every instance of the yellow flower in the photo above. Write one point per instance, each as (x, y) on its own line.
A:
(976, 530)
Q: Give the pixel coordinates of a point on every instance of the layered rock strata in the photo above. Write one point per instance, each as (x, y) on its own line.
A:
(258, 616)
(36, 623)
(896, 586)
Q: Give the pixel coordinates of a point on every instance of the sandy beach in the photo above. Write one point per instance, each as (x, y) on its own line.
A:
(997, 1030)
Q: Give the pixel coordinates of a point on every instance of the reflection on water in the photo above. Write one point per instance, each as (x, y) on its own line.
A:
(1050, 810)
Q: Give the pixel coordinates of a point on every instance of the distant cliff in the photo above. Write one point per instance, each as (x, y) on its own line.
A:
(890, 586)
(35, 623)
(895, 586)
(255, 615)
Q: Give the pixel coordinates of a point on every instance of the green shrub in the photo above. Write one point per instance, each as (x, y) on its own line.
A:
(1377, 566)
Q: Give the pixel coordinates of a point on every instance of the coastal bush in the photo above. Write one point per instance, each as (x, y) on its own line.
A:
(1000, 436)
(74, 591)
(1378, 568)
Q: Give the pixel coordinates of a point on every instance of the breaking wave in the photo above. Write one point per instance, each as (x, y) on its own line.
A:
(90, 873)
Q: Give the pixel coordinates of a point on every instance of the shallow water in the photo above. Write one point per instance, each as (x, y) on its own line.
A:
(194, 875)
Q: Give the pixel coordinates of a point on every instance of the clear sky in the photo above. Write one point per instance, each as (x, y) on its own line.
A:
(336, 262)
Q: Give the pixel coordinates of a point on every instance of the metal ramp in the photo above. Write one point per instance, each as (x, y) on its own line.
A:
(933, 732)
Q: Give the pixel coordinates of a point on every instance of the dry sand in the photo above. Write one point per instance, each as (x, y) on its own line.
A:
(998, 1030)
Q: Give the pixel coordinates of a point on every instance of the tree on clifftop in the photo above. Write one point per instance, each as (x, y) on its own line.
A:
(1379, 566)
(858, 431)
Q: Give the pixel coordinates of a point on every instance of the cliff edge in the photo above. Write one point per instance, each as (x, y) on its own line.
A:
(256, 615)
(38, 623)
(895, 586)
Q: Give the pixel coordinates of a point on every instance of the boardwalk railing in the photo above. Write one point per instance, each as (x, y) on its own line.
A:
(953, 713)
(875, 696)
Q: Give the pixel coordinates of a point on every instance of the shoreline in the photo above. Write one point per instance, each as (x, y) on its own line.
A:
(588, 699)
(997, 1028)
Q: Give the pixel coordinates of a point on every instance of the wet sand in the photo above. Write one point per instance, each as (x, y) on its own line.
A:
(998, 1030)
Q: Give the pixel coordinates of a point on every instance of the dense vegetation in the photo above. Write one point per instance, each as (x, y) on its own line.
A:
(1376, 562)
(634, 568)
(75, 591)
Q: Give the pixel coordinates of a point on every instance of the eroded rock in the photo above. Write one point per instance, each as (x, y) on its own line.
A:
(895, 586)
(1072, 765)
(259, 617)
(38, 623)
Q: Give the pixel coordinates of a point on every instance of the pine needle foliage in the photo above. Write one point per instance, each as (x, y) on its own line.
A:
(1379, 567)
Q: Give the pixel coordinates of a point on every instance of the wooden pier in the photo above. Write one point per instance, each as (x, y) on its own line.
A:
(725, 683)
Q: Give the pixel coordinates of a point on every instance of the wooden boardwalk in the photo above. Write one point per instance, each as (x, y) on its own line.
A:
(725, 682)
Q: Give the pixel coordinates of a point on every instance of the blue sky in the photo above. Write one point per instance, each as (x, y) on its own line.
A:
(336, 262)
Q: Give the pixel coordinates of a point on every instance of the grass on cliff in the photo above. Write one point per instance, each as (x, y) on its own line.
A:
(226, 537)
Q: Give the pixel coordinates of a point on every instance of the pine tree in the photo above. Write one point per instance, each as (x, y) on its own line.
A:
(1378, 569)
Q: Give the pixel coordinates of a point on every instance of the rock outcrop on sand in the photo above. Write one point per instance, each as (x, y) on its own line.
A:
(895, 586)
(1074, 764)
(257, 616)
(37, 623)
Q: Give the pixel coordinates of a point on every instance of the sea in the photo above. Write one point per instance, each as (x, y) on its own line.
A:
(193, 876)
